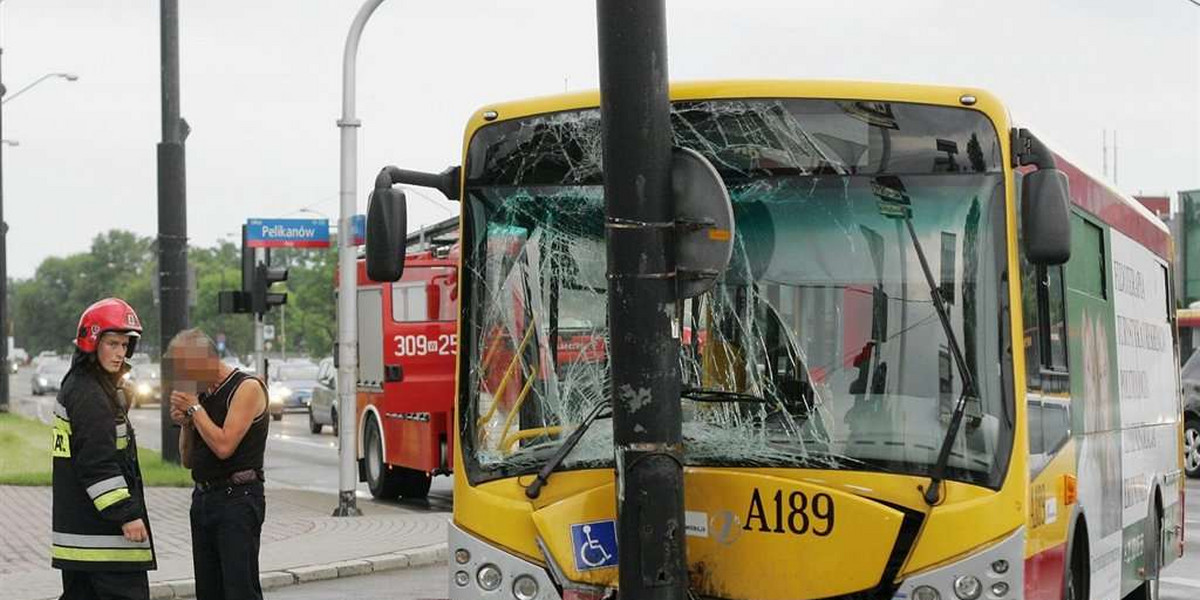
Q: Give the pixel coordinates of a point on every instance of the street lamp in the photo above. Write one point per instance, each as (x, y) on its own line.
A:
(67, 76)
(4, 324)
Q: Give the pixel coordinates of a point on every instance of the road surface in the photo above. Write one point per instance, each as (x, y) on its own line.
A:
(295, 458)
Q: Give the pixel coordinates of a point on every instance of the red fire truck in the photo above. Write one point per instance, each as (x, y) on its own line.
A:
(407, 342)
(407, 351)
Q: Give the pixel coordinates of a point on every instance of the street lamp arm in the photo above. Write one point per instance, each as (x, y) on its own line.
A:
(67, 76)
(350, 60)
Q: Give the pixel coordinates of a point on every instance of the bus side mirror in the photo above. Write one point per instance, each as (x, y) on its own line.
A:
(1046, 217)
(703, 223)
(387, 226)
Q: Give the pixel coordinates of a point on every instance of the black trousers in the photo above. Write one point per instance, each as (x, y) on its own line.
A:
(226, 526)
(105, 585)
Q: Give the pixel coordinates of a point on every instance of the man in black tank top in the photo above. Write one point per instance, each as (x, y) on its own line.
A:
(222, 439)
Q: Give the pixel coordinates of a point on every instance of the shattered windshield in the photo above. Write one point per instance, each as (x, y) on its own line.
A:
(824, 312)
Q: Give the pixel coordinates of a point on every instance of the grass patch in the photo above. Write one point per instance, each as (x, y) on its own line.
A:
(25, 457)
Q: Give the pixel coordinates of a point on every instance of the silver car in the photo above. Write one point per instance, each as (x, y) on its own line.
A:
(322, 410)
(1190, 377)
(48, 376)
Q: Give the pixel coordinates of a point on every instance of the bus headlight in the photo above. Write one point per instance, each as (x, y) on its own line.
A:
(481, 569)
(489, 577)
(926, 593)
(993, 571)
(525, 588)
(967, 587)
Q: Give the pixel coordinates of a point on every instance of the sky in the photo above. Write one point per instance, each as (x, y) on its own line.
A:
(261, 90)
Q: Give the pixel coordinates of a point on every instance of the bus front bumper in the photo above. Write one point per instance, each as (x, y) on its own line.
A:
(478, 569)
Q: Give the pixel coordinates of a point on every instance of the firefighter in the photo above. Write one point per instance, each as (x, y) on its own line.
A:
(101, 537)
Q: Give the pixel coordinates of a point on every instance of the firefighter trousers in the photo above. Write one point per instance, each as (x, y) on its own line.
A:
(105, 585)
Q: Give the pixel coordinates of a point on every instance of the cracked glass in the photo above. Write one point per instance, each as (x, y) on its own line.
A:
(824, 313)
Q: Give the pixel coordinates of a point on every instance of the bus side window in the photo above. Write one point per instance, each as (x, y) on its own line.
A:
(1055, 335)
(1032, 340)
(1043, 306)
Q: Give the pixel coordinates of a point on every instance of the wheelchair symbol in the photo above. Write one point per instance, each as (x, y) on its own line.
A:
(595, 544)
(592, 553)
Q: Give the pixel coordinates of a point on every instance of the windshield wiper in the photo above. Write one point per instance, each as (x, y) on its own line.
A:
(711, 395)
(894, 203)
(556, 460)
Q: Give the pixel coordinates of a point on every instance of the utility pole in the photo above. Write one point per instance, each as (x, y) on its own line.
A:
(1104, 150)
(1116, 152)
(260, 362)
(172, 217)
(283, 331)
(4, 326)
(640, 230)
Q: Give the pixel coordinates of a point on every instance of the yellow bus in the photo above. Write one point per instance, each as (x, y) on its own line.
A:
(819, 379)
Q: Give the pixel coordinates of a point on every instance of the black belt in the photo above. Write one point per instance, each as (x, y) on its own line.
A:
(239, 478)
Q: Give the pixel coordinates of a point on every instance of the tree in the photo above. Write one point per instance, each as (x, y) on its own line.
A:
(45, 309)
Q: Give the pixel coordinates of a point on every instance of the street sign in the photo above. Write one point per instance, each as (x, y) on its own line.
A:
(268, 332)
(360, 230)
(287, 233)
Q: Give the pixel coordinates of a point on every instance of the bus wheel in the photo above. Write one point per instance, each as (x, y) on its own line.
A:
(1191, 447)
(1075, 580)
(1151, 557)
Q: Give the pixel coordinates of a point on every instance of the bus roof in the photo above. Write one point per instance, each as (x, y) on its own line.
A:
(1094, 195)
(757, 88)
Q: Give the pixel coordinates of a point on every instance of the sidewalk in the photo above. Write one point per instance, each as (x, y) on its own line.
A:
(300, 541)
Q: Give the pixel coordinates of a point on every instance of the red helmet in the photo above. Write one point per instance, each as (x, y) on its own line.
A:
(110, 314)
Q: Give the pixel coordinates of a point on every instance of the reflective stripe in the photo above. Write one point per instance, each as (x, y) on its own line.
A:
(76, 540)
(106, 485)
(102, 554)
(62, 424)
(122, 442)
(60, 411)
(108, 499)
(122, 430)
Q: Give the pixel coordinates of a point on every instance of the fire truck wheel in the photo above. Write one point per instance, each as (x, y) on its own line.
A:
(385, 481)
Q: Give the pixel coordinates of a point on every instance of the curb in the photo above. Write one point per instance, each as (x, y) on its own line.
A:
(417, 557)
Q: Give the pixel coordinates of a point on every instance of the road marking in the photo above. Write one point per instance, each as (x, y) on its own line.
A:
(283, 437)
(1181, 581)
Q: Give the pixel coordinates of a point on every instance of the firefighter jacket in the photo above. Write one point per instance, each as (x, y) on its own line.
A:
(97, 482)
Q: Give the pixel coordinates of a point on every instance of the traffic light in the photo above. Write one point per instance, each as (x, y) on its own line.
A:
(262, 299)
